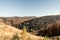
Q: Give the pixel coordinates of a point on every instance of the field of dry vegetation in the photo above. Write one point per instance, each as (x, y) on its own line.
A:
(10, 33)
(36, 28)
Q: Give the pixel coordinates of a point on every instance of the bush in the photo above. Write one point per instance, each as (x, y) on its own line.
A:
(15, 37)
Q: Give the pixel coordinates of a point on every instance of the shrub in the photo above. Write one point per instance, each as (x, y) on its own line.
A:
(15, 37)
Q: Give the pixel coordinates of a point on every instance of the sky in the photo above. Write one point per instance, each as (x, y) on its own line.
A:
(29, 7)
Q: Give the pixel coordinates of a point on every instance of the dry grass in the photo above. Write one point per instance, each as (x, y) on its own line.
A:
(10, 33)
(7, 32)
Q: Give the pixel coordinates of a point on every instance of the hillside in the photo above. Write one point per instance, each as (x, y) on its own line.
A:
(10, 33)
(15, 20)
(37, 24)
(7, 32)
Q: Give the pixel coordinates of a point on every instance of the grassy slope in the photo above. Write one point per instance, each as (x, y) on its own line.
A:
(7, 32)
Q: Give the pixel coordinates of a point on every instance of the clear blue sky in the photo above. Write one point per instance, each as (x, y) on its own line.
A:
(29, 7)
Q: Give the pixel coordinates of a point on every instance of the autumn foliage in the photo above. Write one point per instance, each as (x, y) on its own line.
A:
(54, 29)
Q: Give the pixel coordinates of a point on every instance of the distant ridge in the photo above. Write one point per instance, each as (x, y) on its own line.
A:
(15, 20)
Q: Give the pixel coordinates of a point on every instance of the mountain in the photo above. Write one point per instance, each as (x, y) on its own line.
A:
(15, 20)
(35, 25)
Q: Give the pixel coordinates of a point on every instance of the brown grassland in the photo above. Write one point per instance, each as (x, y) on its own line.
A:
(10, 33)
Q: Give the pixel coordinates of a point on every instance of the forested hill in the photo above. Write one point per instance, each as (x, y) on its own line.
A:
(38, 23)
